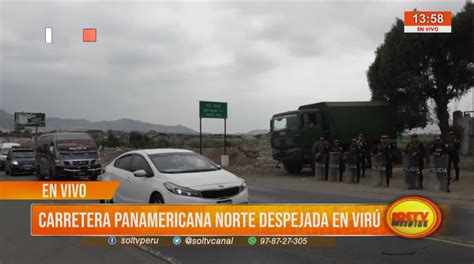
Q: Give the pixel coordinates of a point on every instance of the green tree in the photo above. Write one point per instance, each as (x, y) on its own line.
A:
(137, 140)
(410, 69)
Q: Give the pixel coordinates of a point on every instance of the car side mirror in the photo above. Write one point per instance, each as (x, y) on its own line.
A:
(140, 173)
(51, 149)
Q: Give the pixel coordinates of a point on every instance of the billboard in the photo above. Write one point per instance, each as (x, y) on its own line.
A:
(23, 119)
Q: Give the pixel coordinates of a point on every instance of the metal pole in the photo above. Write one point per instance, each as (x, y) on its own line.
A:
(200, 135)
(225, 136)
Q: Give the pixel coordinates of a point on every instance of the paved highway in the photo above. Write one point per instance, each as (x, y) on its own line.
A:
(455, 246)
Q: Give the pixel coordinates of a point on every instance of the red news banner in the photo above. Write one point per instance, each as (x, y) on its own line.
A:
(208, 220)
(427, 22)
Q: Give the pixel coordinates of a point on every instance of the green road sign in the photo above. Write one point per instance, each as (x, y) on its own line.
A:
(212, 109)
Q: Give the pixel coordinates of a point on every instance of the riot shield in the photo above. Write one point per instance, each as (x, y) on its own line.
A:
(334, 166)
(379, 174)
(411, 167)
(350, 160)
(439, 166)
(320, 168)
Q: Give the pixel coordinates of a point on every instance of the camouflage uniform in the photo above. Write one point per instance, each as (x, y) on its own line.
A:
(321, 153)
(354, 150)
(439, 148)
(336, 147)
(454, 144)
(363, 155)
(417, 148)
(387, 149)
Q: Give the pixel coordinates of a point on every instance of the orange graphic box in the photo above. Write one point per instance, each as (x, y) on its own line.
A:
(89, 35)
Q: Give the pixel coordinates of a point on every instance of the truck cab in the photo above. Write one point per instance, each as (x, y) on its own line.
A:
(292, 137)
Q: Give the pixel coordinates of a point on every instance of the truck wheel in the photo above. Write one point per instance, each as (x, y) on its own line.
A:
(294, 167)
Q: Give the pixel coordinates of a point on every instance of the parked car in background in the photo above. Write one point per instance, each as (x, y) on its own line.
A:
(67, 155)
(174, 176)
(4, 148)
(20, 161)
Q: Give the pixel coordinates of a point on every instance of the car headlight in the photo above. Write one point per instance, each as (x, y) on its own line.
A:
(58, 162)
(181, 190)
(243, 187)
(15, 163)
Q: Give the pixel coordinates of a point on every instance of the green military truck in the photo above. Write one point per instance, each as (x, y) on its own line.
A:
(294, 133)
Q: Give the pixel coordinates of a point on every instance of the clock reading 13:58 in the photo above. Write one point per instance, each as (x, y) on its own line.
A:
(421, 18)
(427, 21)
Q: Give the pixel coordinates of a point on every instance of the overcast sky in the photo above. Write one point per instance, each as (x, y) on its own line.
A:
(155, 61)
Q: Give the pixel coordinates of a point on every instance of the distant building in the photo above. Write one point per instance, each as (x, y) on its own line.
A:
(464, 124)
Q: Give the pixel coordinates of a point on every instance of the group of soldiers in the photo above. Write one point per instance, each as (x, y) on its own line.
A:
(358, 147)
(449, 148)
(387, 150)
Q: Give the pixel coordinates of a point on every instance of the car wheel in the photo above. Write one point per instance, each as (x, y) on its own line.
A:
(156, 199)
(93, 177)
(111, 201)
(52, 175)
(39, 175)
(11, 172)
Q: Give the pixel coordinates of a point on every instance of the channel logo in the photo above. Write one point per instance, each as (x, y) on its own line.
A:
(413, 217)
(176, 240)
(112, 240)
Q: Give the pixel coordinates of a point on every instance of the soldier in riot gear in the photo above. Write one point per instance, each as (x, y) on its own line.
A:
(439, 148)
(336, 147)
(454, 144)
(363, 153)
(386, 148)
(320, 154)
(416, 148)
(354, 150)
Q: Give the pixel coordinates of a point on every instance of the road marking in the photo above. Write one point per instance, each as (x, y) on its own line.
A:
(453, 241)
(156, 253)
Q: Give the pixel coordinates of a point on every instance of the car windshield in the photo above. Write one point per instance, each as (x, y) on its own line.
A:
(182, 163)
(285, 122)
(76, 145)
(23, 154)
(5, 151)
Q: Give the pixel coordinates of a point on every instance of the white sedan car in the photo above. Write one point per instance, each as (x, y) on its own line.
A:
(173, 176)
